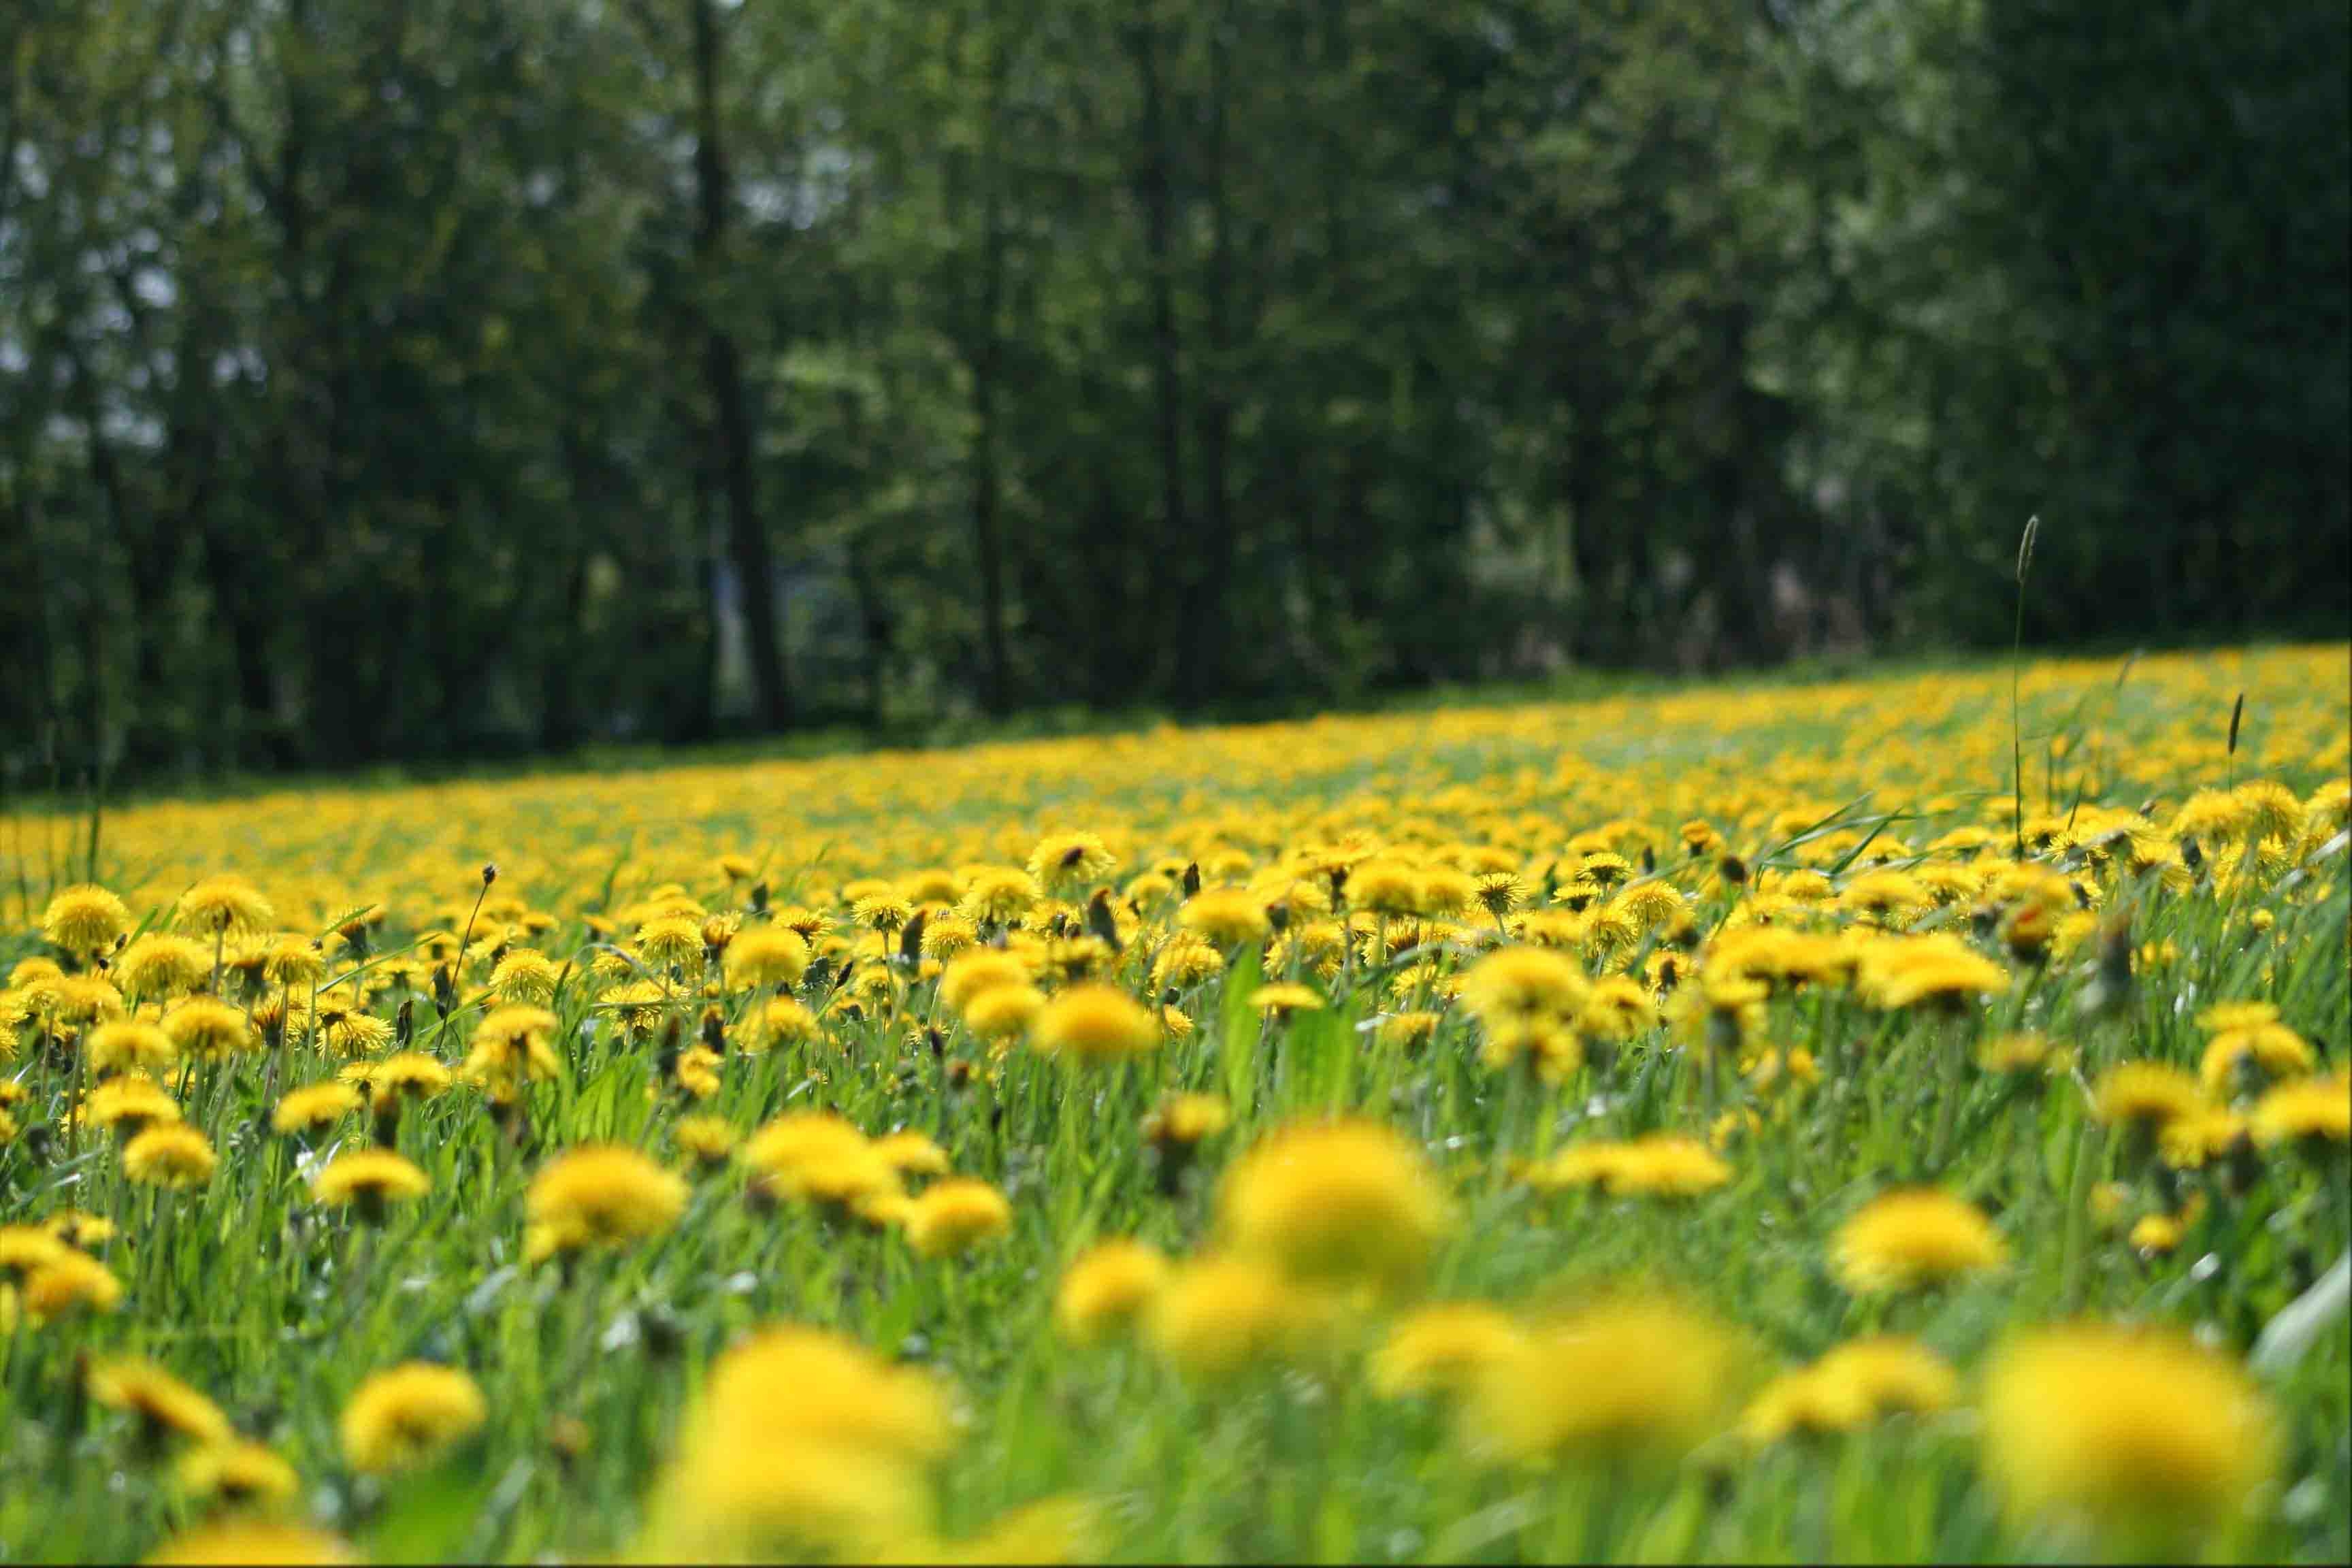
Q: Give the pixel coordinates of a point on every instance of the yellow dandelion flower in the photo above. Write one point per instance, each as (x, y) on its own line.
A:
(406, 1417)
(1905, 1239)
(225, 905)
(1443, 1349)
(163, 1403)
(1216, 1316)
(236, 1474)
(1628, 1379)
(85, 917)
(1106, 1289)
(368, 1179)
(169, 1155)
(254, 1542)
(1342, 1200)
(1225, 917)
(314, 1107)
(2314, 1110)
(2144, 1434)
(1095, 1023)
(953, 1216)
(605, 1195)
(2146, 1093)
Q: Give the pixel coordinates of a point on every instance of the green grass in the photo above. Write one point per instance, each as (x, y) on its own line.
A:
(277, 1308)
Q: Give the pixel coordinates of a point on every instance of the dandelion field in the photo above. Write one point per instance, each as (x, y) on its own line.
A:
(1742, 1122)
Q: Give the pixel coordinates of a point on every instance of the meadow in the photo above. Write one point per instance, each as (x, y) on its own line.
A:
(1903, 1118)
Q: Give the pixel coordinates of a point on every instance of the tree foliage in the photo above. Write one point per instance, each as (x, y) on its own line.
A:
(439, 379)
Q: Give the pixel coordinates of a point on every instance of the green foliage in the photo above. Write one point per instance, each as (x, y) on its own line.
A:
(438, 381)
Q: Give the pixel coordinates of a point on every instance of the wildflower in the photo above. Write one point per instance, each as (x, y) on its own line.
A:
(697, 1071)
(1626, 1379)
(525, 978)
(972, 973)
(25, 1248)
(816, 1155)
(129, 1044)
(1065, 860)
(1410, 1031)
(169, 1155)
(2188, 1143)
(1106, 1289)
(2156, 1234)
(1857, 1383)
(998, 895)
(368, 1179)
(769, 956)
(1443, 1349)
(293, 961)
(351, 1032)
(1182, 1121)
(83, 919)
(2248, 1034)
(1055, 1529)
(1216, 1316)
(1888, 897)
(206, 1029)
(411, 1075)
(1906, 1239)
(2312, 1110)
(1660, 1165)
(2147, 1094)
(233, 1473)
(76, 1228)
(251, 1542)
(1527, 1000)
(952, 1216)
(1003, 1012)
(884, 911)
(225, 905)
(2013, 1053)
(2268, 809)
(945, 935)
(671, 942)
(1385, 886)
(314, 1107)
(163, 1405)
(1282, 999)
(81, 999)
(707, 1140)
(1335, 1201)
(1500, 892)
(69, 1282)
(1095, 1023)
(911, 1153)
(2144, 1434)
(1224, 917)
(605, 1195)
(406, 1417)
(804, 1445)
(1939, 970)
(782, 1022)
(161, 965)
(129, 1103)
(510, 1048)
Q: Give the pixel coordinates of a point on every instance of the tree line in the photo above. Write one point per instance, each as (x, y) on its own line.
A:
(444, 379)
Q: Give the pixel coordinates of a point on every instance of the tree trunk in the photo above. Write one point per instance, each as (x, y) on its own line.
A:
(987, 336)
(1207, 610)
(747, 537)
(1156, 188)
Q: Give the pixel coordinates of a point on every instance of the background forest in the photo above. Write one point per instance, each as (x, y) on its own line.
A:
(458, 379)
